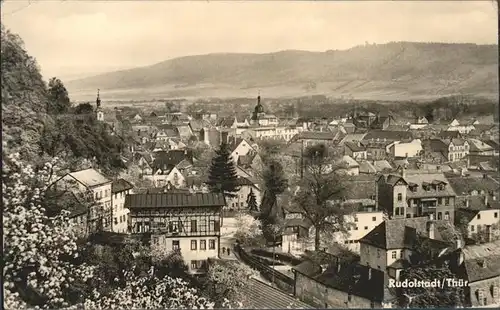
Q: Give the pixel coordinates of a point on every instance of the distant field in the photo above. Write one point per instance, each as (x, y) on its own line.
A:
(369, 92)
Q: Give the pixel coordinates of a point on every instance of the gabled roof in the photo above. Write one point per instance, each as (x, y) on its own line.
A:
(166, 160)
(354, 279)
(367, 167)
(464, 185)
(351, 163)
(89, 177)
(478, 146)
(317, 135)
(120, 185)
(382, 165)
(355, 146)
(398, 233)
(174, 200)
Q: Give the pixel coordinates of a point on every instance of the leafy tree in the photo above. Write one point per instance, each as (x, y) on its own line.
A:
(84, 108)
(275, 183)
(321, 193)
(252, 202)
(58, 101)
(24, 98)
(429, 297)
(222, 174)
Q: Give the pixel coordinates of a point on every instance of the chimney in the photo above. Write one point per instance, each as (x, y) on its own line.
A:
(467, 202)
(339, 266)
(490, 233)
(486, 200)
(369, 273)
(431, 229)
(403, 172)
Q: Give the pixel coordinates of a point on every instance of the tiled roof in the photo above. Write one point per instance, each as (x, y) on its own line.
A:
(494, 144)
(226, 121)
(419, 179)
(263, 296)
(241, 181)
(398, 233)
(367, 167)
(356, 190)
(173, 200)
(353, 137)
(316, 135)
(464, 185)
(382, 165)
(449, 134)
(120, 185)
(168, 159)
(355, 146)
(478, 146)
(90, 177)
(351, 163)
(482, 261)
(354, 278)
(388, 135)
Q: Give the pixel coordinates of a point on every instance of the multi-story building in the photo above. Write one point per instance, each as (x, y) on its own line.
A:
(240, 202)
(361, 222)
(406, 195)
(451, 149)
(93, 182)
(389, 246)
(119, 190)
(355, 149)
(179, 221)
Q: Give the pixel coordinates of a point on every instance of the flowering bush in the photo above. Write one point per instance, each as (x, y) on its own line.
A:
(249, 232)
(37, 249)
(150, 293)
(44, 267)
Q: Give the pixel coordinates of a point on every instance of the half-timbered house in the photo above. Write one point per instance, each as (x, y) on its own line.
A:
(180, 221)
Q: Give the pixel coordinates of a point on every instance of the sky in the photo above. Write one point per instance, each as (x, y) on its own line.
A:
(74, 38)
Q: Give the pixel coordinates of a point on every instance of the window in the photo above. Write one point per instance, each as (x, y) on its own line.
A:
(479, 216)
(194, 264)
(211, 226)
(355, 219)
(203, 245)
(193, 245)
(471, 227)
(440, 201)
(447, 201)
(193, 226)
(374, 218)
(356, 228)
(366, 227)
(496, 215)
(394, 254)
(175, 245)
(202, 225)
(173, 226)
(211, 244)
(349, 298)
(346, 242)
(440, 216)
(401, 254)
(447, 215)
(400, 197)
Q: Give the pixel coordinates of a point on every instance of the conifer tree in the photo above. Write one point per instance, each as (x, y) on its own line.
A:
(222, 176)
(252, 201)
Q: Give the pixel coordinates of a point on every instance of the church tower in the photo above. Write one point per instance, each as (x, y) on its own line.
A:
(99, 112)
(258, 111)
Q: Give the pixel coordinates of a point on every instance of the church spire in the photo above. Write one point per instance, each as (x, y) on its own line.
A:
(98, 100)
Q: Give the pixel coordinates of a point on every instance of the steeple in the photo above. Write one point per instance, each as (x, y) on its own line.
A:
(98, 100)
(99, 112)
